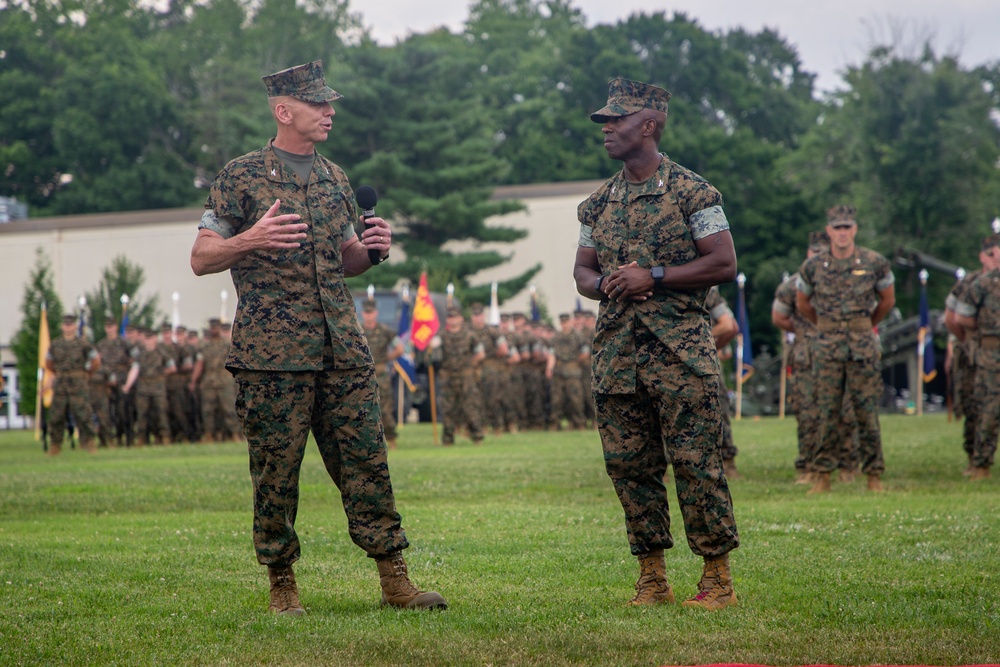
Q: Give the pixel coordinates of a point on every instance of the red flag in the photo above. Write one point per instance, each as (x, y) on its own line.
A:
(425, 318)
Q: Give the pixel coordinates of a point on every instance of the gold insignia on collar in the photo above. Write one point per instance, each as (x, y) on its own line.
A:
(859, 272)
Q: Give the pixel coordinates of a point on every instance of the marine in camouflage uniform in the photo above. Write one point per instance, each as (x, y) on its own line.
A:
(507, 393)
(653, 239)
(115, 363)
(569, 353)
(493, 369)
(385, 347)
(724, 330)
(174, 345)
(585, 321)
(281, 219)
(71, 359)
(218, 398)
(461, 353)
(802, 385)
(978, 311)
(194, 385)
(846, 292)
(963, 354)
(154, 363)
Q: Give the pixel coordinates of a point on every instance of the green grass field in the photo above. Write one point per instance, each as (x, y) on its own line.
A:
(144, 557)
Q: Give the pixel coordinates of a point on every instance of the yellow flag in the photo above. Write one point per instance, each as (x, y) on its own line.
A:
(44, 390)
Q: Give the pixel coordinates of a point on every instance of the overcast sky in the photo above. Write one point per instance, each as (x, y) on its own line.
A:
(828, 34)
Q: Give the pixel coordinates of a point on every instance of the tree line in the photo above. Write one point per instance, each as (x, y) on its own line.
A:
(114, 105)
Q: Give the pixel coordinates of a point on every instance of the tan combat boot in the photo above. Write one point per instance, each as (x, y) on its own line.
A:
(729, 467)
(846, 476)
(821, 483)
(54, 449)
(804, 477)
(284, 592)
(715, 590)
(875, 483)
(979, 474)
(652, 587)
(399, 591)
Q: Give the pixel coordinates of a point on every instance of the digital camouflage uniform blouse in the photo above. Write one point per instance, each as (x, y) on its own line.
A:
(655, 223)
(293, 303)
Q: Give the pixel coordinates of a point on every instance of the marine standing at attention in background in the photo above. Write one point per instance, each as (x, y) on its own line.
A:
(653, 240)
(281, 219)
(846, 293)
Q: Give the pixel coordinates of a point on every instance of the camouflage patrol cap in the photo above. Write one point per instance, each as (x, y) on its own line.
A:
(303, 82)
(564, 317)
(504, 317)
(69, 318)
(477, 309)
(369, 306)
(215, 322)
(819, 240)
(991, 241)
(454, 312)
(841, 215)
(626, 97)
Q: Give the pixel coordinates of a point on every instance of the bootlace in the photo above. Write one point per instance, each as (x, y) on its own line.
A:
(404, 585)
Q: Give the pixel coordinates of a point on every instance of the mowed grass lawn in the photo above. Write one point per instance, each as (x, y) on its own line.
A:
(144, 557)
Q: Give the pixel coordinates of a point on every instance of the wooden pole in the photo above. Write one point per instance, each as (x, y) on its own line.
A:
(430, 383)
(783, 381)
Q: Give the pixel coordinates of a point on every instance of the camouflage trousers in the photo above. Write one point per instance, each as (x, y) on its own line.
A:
(967, 403)
(179, 409)
(461, 405)
(567, 398)
(341, 408)
(218, 408)
(69, 395)
(533, 391)
(100, 403)
(802, 396)
(860, 382)
(673, 417)
(151, 410)
(387, 401)
(987, 392)
(498, 409)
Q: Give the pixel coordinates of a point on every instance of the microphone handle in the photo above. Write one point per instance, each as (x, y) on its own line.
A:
(373, 255)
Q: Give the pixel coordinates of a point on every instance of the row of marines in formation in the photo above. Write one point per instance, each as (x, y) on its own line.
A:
(172, 385)
(516, 376)
(146, 387)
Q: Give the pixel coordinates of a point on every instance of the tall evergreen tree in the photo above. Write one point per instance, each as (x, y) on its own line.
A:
(40, 289)
(121, 278)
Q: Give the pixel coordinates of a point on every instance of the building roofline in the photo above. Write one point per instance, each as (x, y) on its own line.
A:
(174, 215)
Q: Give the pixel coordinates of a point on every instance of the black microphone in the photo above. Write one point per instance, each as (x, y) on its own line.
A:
(367, 198)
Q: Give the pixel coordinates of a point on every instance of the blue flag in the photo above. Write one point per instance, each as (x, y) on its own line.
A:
(926, 336)
(404, 365)
(744, 346)
(536, 314)
(404, 319)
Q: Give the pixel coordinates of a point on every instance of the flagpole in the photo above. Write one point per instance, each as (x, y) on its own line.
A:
(783, 381)
(43, 342)
(740, 281)
(401, 398)
(434, 421)
(921, 339)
